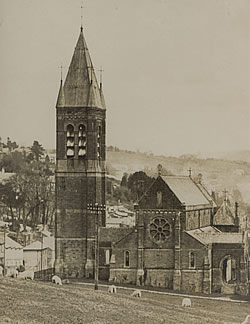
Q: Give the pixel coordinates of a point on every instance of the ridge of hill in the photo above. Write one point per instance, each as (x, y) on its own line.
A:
(217, 174)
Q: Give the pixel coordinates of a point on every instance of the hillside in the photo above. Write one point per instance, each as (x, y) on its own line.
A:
(218, 174)
(26, 302)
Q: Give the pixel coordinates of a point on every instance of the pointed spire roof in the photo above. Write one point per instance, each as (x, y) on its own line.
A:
(81, 88)
(102, 97)
(60, 99)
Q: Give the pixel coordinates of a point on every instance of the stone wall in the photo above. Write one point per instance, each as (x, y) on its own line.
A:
(192, 281)
(159, 278)
(70, 261)
(128, 276)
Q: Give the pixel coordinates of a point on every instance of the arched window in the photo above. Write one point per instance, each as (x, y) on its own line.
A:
(229, 270)
(159, 199)
(82, 141)
(70, 151)
(107, 257)
(191, 260)
(98, 150)
(126, 258)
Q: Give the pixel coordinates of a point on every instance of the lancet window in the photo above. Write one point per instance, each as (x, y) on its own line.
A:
(126, 258)
(70, 151)
(82, 141)
(99, 131)
(191, 260)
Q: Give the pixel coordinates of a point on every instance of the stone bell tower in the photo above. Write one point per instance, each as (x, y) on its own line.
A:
(80, 164)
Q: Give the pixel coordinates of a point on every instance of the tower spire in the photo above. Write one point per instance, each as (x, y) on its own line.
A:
(101, 70)
(81, 82)
(61, 67)
(81, 16)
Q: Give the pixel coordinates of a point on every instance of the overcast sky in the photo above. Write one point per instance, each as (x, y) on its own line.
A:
(176, 72)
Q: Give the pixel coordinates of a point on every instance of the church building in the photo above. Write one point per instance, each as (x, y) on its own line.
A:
(181, 239)
(80, 165)
(179, 242)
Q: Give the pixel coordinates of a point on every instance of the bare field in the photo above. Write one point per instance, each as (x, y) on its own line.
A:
(27, 302)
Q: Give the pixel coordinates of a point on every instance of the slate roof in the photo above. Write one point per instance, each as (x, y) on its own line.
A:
(216, 236)
(60, 99)
(186, 190)
(114, 234)
(48, 242)
(80, 88)
(224, 215)
(206, 194)
(10, 244)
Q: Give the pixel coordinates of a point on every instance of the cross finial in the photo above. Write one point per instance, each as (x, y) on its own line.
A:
(101, 70)
(225, 194)
(61, 67)
(159, 169)
(81, 13)
(190, 172)
(91, 72)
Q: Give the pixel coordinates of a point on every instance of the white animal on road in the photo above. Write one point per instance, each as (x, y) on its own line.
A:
(12, 273)
(112, 289)
(186, 302)
(27, 274)
(57, 280)
(136, 293)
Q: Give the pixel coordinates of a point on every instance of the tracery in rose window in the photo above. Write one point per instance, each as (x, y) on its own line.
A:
(159, 229)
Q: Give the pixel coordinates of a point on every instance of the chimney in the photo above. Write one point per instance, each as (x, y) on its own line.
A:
(199, 178)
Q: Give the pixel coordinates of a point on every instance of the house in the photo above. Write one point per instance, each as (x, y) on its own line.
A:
(39, 255)
(11, 252)
(179, 242)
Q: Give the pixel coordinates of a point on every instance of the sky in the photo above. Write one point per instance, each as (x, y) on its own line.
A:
(176, 72)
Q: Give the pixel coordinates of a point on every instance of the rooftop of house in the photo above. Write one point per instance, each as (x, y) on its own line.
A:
(187, 191)
(9, 243)
(211, 235)
(47, 242)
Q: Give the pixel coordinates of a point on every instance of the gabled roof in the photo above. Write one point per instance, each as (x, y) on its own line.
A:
(206, 194)
(81, 87)
(215, 236)
(224, 215)
(9, 243)
(37, 245)
(186, 190)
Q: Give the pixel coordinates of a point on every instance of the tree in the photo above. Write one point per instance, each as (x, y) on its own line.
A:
(124, 182)
(138, 183)
(11, 145)
(47, 160)
(13, 162)
(37, 150)
(30, 199)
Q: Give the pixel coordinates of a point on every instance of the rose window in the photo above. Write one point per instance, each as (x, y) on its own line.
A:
(159, 229)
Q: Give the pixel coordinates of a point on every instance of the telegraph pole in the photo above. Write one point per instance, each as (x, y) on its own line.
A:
(4, 242)
(96, 209)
